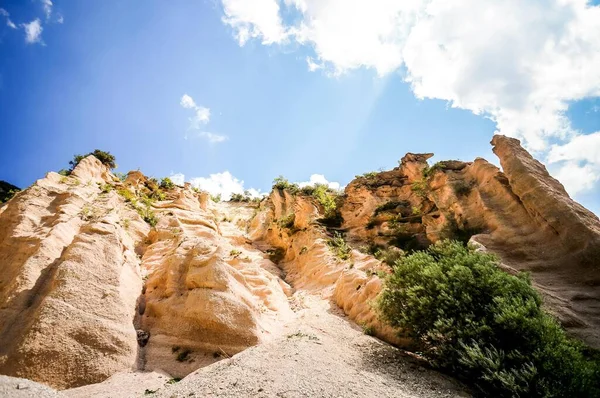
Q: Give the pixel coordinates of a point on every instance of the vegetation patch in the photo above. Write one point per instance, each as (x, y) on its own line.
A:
(485, 326)
(420, 188)
(339, 247)
(105, 157)
(166, 183)
(283, 184)
(288, 221)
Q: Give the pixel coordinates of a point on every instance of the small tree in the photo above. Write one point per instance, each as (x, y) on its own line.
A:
(105, 157)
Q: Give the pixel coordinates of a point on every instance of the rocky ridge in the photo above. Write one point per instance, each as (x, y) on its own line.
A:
(102, 277)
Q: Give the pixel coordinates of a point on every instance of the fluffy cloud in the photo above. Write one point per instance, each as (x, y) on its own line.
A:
(223, 184)
(33, 31)
(256, 18)
(201, 117)
(178, 179)
(518, 62)
(187, 102)
(577, 178)
(319, 179)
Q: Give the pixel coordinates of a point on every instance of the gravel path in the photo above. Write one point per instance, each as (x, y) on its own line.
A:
(321, 355)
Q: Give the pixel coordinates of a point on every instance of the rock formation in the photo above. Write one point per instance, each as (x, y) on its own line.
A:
(101, 277)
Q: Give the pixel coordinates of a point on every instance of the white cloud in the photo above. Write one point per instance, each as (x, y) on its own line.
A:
(47, 4)
(33, 31)
(187, 102)
(576, 178)
(178, 178)
(60, 19)
(9, 23)
(223, 184)
(201, 114)
(518, 62)
(256, 18)
(582, 147)
(319, 179)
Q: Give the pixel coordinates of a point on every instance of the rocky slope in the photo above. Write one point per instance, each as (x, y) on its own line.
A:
(103, 277)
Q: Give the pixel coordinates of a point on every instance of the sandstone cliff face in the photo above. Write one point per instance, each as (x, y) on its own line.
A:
(89, 288)
(69, 280)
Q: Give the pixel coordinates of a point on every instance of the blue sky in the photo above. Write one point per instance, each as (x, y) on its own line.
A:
(111, 75)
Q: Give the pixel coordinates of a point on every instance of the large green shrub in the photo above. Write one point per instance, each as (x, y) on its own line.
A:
(485, 325)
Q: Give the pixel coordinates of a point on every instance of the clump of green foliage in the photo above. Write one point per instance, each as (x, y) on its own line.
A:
(420, 187)
(166, 183)
(238, 197)
(121, 176)
(339, 247)
(485, 325)
(388, 255)
(215, 198)
(144, 209)
(430, 171)
(368, 330)
(283, 184)
(329, 200)
(105, 157)
(106, 188)
(287, 221)
(369, 175)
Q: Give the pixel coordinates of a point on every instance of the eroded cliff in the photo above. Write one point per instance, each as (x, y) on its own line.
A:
(102, 276)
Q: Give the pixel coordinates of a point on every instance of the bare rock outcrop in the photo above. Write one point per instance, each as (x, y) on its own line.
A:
(70, 279)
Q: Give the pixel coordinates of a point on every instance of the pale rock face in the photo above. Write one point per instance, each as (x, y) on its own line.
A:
(88, 289)
(201, 296)
(70, 280)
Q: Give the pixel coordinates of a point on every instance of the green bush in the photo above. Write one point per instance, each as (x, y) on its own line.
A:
(105, 157)
(283, 184)
(485, 325)
(166, 183)
(339, 247)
